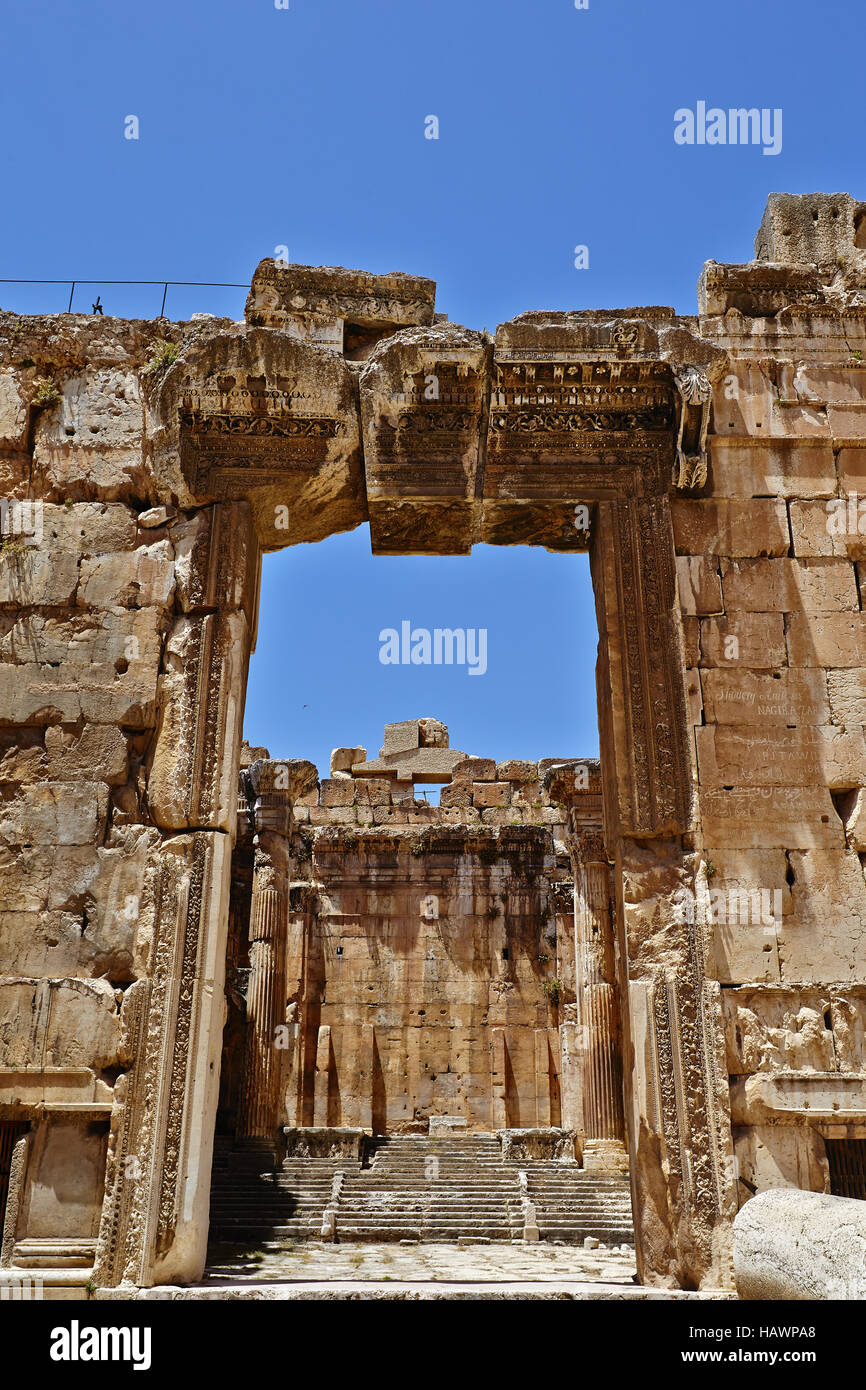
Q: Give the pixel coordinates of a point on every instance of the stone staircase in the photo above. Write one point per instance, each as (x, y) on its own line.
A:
(411, 1188)
(259, 1203)
(442, 1189)
(571, 1204)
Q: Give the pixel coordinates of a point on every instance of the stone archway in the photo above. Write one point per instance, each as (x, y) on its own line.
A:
(440, 437)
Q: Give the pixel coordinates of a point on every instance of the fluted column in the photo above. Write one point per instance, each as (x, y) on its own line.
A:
(604, 1123)
(271, 789)
(266, 991)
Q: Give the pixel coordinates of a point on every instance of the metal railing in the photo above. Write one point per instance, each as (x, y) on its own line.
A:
(97, 307)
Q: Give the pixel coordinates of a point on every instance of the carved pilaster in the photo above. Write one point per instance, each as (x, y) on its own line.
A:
(154, 1219)
(640, 679)
(597, 1006)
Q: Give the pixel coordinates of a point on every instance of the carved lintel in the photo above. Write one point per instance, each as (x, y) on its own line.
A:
(696, 395)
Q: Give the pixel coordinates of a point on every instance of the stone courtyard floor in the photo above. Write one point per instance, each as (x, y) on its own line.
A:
(422, 1271)
(477, 1263)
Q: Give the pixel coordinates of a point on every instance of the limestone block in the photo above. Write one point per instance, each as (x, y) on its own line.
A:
(295, 424)
(134, 579)
(847, 421)
(721, 527)
(33, 694)
(423, 399)
(13, 411)
(746, 640)
(120, 638)
(89, 528)
(750, 755)
(55, 813)
(847, 694)
(332, 815)
(826, 639)
(699, 585)
(91, 441)
(781, 468)
(37, 578)
(343, 759)
(83, 1025)
(474, 770)
(460, 815)
(337, 793)
(41, 943)
(817, 586)
(516, 770)
(24, 878)
(851, 464)
(747, 402)
(375, 791)
(778, 1156)
(748, 697)
(457, 796)
(490, 794)
(66, 1201)
(747, 871)
(739, 952)
(808, 228)
(800, 1246)
(691, 641)
(771, 817)
(526, 793)
(815, 530)
(822, 939)
(97, 749)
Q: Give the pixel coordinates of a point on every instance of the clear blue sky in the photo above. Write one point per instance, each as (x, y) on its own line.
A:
(304, 127)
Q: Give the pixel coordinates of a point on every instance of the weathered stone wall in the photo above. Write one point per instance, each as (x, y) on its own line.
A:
(694, 456)
(769, 566)
(432, 954)
(114, 634)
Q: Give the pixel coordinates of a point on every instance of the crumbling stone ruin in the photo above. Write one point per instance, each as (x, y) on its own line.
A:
(712, 465)
(431, 956)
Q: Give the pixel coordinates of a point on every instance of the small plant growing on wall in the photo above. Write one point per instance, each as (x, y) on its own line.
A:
(164, 353)
(47, 393)
(553, 991)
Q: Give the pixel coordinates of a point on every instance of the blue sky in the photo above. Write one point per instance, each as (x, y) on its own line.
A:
(262, 127)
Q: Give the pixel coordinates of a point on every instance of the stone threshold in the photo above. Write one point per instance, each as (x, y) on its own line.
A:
(577, 1291)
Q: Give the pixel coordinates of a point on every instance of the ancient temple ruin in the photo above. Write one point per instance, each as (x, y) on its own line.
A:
(700, 902)
(426, 962)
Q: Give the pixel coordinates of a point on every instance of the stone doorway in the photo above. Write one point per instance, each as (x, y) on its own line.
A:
(569, 431)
